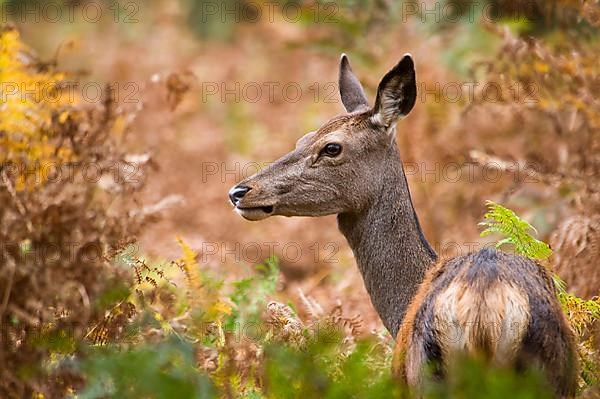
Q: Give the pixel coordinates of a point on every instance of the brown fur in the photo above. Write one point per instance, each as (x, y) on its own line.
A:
(488, 304)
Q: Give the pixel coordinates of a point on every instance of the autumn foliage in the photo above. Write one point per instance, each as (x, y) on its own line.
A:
(107, 288)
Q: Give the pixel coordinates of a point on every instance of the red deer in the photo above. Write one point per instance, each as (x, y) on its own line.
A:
(490, 303)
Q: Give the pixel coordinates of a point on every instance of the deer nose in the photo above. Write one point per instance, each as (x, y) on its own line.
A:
(237, 193)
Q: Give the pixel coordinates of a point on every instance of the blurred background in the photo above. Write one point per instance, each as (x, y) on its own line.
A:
(207, 92)
(219, 88)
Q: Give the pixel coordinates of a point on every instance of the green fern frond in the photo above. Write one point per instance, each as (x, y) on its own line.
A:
(503, 221)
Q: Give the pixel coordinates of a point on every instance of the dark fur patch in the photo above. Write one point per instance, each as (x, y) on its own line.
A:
(433, 352)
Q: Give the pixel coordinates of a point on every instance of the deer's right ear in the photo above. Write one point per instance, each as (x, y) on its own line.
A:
(351, 91)
(396, 94)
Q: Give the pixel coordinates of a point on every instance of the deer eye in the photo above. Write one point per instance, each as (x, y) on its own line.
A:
(332, 150)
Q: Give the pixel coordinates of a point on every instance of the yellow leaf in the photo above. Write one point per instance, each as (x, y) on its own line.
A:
(63, 117)
(190, 265)
(541, 67)
(222, 307)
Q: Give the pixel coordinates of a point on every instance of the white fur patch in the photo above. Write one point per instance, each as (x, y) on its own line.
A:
(377, 119)
(471, 321)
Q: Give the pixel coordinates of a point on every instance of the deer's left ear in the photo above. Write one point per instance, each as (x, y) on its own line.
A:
(351, 91)
(396, 94)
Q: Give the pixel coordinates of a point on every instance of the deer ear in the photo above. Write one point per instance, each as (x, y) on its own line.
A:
(396, 94)
(351, 91)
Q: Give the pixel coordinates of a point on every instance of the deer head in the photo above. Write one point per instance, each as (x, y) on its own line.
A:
(338, 168)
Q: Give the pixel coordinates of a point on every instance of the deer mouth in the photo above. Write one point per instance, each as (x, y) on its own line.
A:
(255, 213)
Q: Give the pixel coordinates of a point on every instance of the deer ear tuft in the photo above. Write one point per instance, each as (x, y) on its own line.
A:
(396, 94)
(351, 91)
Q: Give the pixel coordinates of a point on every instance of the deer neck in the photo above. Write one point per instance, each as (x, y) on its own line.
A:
(389, 246)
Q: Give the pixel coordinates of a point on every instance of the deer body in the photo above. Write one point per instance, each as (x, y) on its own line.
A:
(492, 304)
(487, 303)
